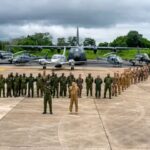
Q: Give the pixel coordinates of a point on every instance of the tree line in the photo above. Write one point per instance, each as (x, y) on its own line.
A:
(132, 39)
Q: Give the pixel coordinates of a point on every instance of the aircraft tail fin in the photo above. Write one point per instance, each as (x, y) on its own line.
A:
(77, 36)
(64, 52)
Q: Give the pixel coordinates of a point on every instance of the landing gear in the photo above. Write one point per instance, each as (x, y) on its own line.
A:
(72, 67)
(44, 67)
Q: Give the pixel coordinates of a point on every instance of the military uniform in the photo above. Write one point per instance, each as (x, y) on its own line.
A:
(56, 86)
(73, 90)
(47, 98)
(24, 81)
(114, 85)
(39, 85)
(108, 82)
(16, 85)
(98, 83)
(70, 79)
(31, 81)
(79, 82)
(89, 84)
(9, 82)
(63, 85)
(2, 85)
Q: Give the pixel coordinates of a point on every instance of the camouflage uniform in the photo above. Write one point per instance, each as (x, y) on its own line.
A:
(98, 83)
(63, 85)
(24, 81)
(47, 98)
(79, 82)
(39, 85)
(16, 85)
(2, 85)
(114, 85)
(56, 86)
(108, 83)
(89, 84)
(9, 82)
(31, 81)
(70, 79)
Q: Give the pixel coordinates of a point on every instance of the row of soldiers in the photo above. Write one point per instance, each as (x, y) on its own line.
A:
(21, 85)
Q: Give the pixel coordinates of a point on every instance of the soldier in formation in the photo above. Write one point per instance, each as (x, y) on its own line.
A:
(21, 85)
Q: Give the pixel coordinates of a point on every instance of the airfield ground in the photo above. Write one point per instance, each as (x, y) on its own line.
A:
(121, 123)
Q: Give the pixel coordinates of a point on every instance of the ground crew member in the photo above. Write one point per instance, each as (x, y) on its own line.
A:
(39, 85)
(2, 85)
(63, 85)
(108, 83)
(31, 80)
(47, 98)
(98, 83)
(24, 85)
(89, 84)
(73, 90)
(79, 82)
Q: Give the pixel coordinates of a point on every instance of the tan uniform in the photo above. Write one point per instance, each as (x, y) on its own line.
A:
(73, 96)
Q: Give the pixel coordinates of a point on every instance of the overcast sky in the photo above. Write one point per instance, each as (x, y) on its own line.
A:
(102, 20)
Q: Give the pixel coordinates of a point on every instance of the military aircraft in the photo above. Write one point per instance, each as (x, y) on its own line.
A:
(112, 58)
(5, 56)
(58, 61)
(140, 59)
(22, 57)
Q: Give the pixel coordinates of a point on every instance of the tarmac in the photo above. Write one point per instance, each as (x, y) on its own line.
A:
(122, 123)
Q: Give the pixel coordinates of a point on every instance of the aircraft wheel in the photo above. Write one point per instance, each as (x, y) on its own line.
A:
(44, 67)
(72, 67)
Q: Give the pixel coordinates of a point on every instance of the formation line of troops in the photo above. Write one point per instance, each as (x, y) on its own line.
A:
(21, 85)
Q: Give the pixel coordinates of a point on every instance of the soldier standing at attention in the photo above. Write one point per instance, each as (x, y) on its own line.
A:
(9, 86)
(2, 85)
(52, 83)
(39, 85)
(20, 82)
(47, 98)
(114, 85)
(98, 83)
(56, 86)
(31, 85)
(11, 77)
(70, 79)
(63, 85)
(108, 82)
(16, 85)
(89, 84)
(79, 82)
(73, 90)
(24, 85)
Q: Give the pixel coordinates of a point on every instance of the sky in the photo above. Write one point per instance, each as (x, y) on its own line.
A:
(102, 20)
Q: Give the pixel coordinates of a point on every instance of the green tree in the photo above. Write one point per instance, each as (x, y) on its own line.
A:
(120, 42)
(105, 44)
(72, 41)
(134, 39)
(89, 42)
(61, 41)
